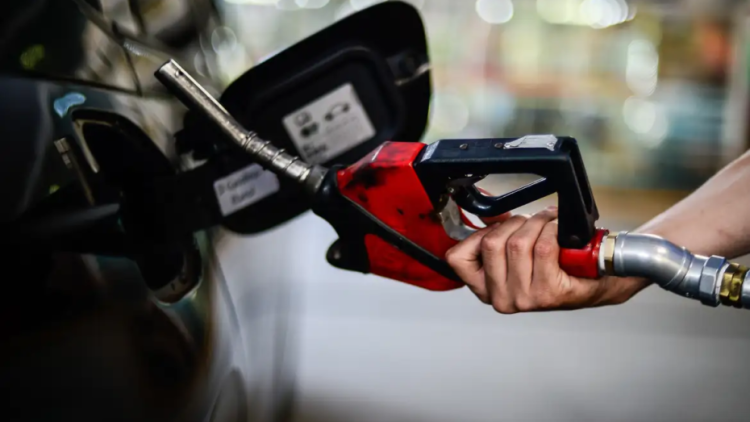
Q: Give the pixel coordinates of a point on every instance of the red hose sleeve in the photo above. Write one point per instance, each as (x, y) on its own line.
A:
(583, 263)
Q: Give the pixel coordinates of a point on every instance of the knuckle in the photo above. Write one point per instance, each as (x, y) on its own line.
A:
(545, 248)
(492, 243)
(503, 307)
(518, 245)
(453, 257)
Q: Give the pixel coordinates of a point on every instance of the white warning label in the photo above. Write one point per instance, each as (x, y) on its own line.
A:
(329, 126)
(244, 187)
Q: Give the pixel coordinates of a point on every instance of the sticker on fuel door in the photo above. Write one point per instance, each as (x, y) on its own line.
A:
(329, 126)
(244, 187)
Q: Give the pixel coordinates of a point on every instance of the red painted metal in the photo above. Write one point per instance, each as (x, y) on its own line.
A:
(389, 262)
(385, 184)
(583, 263)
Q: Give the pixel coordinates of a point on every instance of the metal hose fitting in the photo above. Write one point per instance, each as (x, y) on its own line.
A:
(712, 280)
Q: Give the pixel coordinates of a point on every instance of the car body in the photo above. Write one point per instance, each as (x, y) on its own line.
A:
(84, 337)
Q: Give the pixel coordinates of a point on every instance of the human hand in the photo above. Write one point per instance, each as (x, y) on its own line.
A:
(513, 264)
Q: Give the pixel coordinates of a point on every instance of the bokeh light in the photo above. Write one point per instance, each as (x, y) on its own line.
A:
(495, 11)
(641, 73)
(647, 119)
(594, 13)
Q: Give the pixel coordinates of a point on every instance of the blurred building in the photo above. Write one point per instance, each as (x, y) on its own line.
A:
(643, 85)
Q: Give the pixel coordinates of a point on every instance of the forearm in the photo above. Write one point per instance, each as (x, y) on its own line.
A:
(713, 220)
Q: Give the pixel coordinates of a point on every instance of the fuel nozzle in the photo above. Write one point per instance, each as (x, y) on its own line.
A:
(711, 279)
(195, 97)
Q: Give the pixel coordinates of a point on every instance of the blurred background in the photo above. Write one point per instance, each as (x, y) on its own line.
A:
(655, 92)
(642, 84)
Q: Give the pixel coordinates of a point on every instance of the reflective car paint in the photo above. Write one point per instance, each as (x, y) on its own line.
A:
(82, 335)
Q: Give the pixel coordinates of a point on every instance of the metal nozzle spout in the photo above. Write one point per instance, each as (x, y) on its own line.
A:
(196, 98)
(712, 280)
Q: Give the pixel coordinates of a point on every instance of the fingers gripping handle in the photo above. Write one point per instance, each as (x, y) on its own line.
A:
(585, 262)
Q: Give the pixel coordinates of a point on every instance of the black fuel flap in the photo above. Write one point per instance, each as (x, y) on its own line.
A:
(330, 99)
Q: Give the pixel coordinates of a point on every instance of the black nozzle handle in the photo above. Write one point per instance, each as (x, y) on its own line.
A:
(452, 166)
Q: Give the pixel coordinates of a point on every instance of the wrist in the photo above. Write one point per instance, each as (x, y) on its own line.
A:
(621, 289)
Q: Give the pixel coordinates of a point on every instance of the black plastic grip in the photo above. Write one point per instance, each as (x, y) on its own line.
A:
(451, 167)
